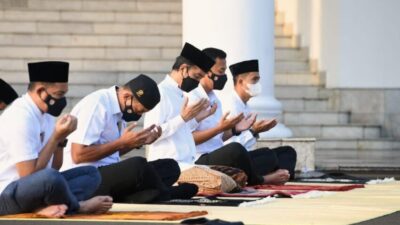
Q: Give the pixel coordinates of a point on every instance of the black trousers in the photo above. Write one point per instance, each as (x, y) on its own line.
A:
(135, 179)
(269, 160)
(233, 155)
(167, 169)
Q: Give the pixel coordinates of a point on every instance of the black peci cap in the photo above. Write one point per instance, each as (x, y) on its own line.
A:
(51, 71)
(7, 93)
(197, 57)
(145, 91)
(244, 67)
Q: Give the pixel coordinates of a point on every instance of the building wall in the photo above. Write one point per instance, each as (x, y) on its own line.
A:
(357, 42)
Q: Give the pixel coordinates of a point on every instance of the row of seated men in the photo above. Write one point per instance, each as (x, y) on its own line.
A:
(72, 164)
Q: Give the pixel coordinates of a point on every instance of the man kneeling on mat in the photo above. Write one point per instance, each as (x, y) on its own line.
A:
(102, 137)
(276, 163)
(210, 134)
(179, 119)
(31, 147)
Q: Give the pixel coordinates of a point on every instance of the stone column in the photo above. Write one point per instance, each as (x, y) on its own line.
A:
(245, 30)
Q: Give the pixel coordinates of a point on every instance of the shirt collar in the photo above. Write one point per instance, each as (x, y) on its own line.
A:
(173, 85)
(33, 105)
(239, 100)
(112, 93)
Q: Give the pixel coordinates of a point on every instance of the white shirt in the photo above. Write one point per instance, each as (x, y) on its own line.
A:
(24, 131)
(236, 106)
(176, 141)
(98, 116)
(209, 122)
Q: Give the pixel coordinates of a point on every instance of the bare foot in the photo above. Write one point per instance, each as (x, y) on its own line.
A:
(96, 205)
(53, 211)
(278, 177)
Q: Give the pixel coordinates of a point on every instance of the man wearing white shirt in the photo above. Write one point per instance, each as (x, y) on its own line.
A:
(217, 128)
(31, 152)
(178, 120)
(7, 94)
(281, 160)
(102, 137)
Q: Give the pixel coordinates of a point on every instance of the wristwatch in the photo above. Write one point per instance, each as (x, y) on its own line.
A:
(62, 144)
(256, 135)
(235, 132)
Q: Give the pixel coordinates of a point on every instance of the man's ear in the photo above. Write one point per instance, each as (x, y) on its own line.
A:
(184, 69)
(209, 75)
(2, 105)
(39, 89)
(242, 78)
(239, 79)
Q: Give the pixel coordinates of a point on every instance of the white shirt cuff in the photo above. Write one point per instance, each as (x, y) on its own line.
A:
(193, 124)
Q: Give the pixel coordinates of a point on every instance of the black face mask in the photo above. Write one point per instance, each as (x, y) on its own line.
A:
(189, 84)
(219, 81)
(55, 105)
(129, 115)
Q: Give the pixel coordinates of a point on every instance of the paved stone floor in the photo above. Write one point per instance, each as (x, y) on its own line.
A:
(337, 209)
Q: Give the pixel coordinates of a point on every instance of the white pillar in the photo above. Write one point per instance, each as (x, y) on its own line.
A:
(245, 30)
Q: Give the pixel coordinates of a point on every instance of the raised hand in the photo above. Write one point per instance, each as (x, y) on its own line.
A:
(190, 112)
(264, 125)
(154, 135)
(206, 112)
(65, 125)
(227, 124)
(131, 139)
(246, 122)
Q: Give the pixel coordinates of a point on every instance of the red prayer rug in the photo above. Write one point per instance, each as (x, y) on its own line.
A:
(309, 187)
(284, 190)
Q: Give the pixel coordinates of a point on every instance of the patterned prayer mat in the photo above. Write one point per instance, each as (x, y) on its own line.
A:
(145, 215)
(300, 187)
(287, 190)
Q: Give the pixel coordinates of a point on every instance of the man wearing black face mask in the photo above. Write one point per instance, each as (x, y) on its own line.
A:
(176, 118)
(102, 137)
(31, 145)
